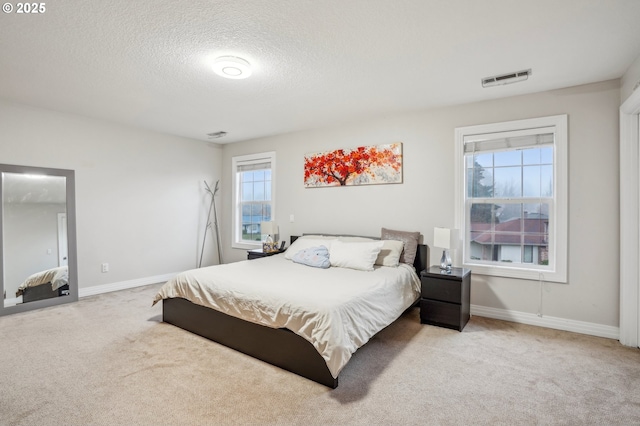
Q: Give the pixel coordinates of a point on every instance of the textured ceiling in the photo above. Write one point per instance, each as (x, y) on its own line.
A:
(316, 62)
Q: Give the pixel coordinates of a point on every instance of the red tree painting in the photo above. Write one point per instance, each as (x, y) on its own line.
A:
(363, 165)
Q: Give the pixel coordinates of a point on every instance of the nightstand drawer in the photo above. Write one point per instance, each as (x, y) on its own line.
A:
(442, 289)
(443, 314)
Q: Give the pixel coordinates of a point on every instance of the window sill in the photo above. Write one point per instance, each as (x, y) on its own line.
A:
(247, 246)
(519, 273)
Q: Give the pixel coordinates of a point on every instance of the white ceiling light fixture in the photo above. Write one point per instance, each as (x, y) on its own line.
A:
(513, 77)
(232, 67)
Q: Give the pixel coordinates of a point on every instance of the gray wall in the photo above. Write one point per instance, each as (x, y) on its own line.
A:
(426, 197)
(140, 199)
(141, 203)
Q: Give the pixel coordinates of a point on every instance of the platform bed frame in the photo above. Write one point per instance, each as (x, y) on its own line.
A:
(43, 291)
(277, 346)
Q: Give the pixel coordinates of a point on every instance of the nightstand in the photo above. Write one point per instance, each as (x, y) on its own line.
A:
(258, 253)
(445, 299)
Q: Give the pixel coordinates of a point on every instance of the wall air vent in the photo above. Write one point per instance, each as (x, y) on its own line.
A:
(512, 77)
(217, 135)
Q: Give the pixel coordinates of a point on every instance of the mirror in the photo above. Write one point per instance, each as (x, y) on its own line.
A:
(38, 248)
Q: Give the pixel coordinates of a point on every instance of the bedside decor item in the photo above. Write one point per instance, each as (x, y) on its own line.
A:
(444, 238)
(270, 229)
(364, 165)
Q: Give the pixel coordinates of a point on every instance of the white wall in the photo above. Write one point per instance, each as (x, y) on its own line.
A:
(140, 199)
(426, 197)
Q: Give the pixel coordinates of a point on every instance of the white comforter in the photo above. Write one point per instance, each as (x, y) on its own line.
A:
(56, 276)
(336, 309)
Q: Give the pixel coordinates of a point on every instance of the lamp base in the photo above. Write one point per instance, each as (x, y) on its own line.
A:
(445, 261)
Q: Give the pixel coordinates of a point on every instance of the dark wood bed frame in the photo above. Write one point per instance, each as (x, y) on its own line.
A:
(43, 291)
(277, 346)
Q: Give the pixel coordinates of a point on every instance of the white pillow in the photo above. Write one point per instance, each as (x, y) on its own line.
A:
(306, 242)
(390, 253)
(359, 256)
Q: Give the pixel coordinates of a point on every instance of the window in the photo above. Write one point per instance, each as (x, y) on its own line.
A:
(254, 195)
(512, 198)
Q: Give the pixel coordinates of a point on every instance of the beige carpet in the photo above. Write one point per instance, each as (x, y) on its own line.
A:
(109, 360)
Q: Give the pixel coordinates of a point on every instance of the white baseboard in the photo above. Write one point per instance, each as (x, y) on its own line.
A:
(123, 285)
(575, 326)
(12, 302)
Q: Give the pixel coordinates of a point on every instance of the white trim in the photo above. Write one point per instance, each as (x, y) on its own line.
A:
(559, 227)
(629, 221)
(555, 323)
(123, 285)
(235, 193)
(13, 301)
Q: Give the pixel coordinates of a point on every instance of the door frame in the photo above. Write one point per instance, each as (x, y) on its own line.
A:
(630, 221)
(63, 244)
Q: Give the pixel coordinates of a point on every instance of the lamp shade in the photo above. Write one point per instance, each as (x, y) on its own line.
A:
(444, 238)
(268, 228)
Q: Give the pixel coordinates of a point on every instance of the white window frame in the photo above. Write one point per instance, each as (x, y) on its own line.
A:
(556, 271)
(236, 213)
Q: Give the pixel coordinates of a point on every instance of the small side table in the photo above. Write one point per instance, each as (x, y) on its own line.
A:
(258, 253)
(445, 299)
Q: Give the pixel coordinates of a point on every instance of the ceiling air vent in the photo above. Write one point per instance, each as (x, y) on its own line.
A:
(217, 135)
(512, 77)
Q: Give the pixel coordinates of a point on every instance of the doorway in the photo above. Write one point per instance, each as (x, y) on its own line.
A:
(630, 221)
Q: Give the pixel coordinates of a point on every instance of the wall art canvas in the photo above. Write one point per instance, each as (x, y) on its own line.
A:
(364, 165)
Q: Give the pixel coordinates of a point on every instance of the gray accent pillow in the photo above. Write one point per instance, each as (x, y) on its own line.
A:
(410, 240)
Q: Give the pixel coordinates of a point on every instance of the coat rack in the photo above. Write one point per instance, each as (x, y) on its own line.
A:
(212, 206)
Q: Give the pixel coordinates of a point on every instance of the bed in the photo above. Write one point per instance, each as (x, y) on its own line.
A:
(46, 284)
(255, 306)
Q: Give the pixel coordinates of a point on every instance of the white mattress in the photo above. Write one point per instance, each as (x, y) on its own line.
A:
(336, 309)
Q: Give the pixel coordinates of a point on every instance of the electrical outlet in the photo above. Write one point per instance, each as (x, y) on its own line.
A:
(105, 267)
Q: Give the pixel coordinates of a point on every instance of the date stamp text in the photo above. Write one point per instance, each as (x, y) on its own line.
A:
(24, 8)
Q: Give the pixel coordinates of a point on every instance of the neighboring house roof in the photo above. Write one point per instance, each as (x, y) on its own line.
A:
(509, 232)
